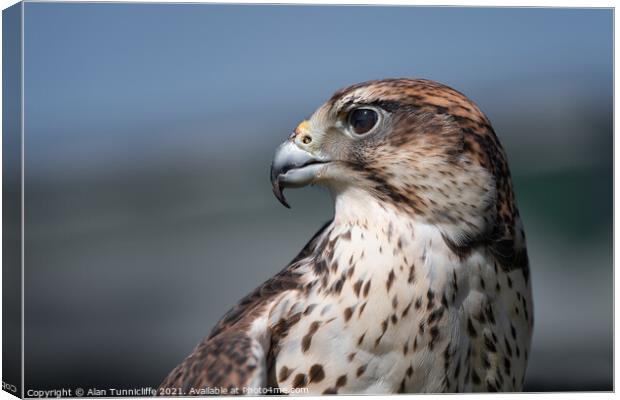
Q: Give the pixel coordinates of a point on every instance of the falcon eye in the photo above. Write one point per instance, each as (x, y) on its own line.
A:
(362, 120)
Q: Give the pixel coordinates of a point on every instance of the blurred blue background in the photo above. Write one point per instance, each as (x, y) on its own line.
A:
(149, 132)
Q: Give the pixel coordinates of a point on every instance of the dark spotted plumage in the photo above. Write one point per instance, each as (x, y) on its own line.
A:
(420, 283)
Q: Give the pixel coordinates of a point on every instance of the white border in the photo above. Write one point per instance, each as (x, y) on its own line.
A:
(480, 3)
(436, 3)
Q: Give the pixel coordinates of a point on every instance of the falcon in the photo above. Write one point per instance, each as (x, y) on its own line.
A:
(420, 282)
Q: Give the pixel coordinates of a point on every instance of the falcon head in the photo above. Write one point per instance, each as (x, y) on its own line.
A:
(416, 145)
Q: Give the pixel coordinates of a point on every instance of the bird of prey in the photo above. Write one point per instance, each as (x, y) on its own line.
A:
(420, 283)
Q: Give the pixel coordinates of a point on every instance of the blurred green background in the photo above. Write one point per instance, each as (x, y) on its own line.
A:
(149, 133)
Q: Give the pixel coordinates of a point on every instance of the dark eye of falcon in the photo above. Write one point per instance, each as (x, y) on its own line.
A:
(362, 120)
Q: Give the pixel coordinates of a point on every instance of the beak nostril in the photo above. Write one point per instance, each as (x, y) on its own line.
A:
(306, 139)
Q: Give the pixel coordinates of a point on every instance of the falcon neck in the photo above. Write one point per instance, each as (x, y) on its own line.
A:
(368, 236)
(377, 238)
(358, 207)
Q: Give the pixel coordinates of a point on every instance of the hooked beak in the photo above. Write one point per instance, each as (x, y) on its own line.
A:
(293, 167)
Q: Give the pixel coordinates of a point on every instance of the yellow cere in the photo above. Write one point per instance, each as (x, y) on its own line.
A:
(303, 127)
